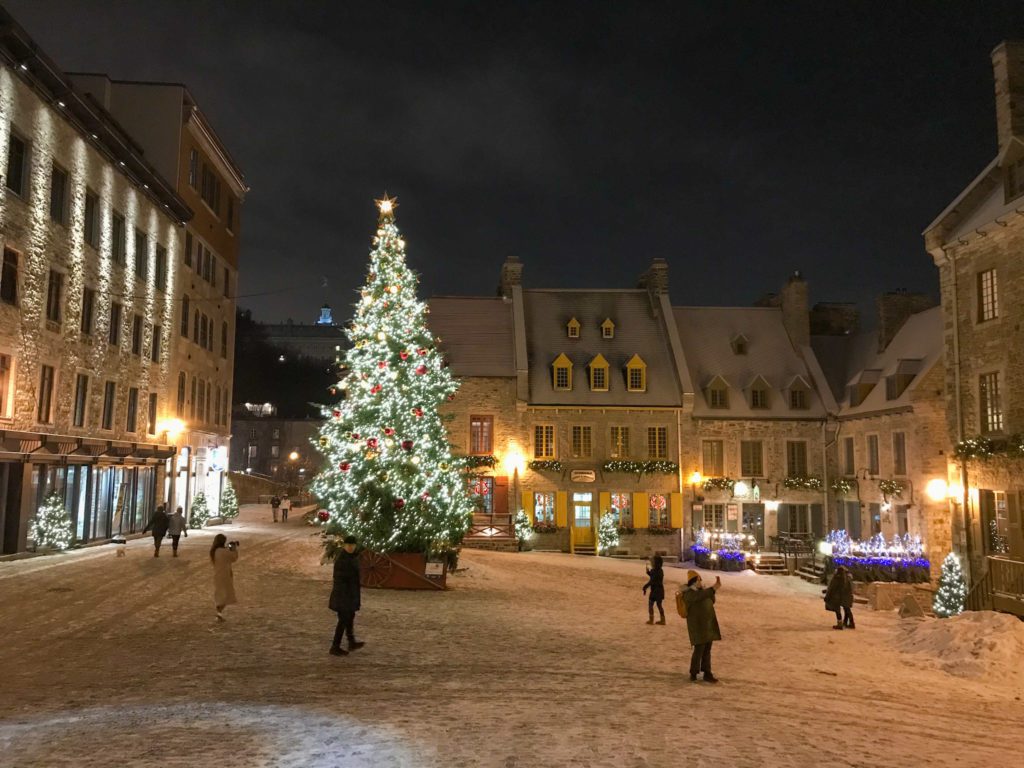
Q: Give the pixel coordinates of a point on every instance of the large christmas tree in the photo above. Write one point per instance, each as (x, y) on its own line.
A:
(390, 479)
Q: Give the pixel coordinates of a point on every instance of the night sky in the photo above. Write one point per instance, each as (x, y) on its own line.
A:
(739, 141)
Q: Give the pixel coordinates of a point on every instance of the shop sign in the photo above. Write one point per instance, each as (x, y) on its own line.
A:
(582, 476)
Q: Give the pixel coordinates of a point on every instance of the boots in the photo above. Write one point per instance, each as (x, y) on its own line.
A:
(355, 645)
(837, 626)
(336, 650)
(650, 620)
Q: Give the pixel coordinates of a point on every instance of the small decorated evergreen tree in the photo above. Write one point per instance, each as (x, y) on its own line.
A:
(607, 533)
(51, 527)
(949, 600)
(524, 530)
(390, 479)
(228, 501)
(200, 512)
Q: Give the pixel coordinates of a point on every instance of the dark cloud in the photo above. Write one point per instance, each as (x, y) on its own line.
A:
(738, 140)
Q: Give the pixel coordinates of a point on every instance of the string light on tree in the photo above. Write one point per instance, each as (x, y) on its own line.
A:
(952, 593)
(51, 527)
(390, 479)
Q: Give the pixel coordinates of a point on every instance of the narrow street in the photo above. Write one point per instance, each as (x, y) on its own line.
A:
(529, 660)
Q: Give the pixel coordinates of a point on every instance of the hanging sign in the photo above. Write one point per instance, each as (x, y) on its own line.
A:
(582, 476)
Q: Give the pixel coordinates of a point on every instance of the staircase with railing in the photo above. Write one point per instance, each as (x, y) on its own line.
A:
(1001, 588)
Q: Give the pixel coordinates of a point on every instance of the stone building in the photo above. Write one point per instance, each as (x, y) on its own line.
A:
(321, 340)
(182, 145)
(976, 243)
(280, 449)
(890, 439)
(92, 238)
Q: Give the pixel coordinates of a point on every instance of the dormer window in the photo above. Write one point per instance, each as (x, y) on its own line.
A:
(561, 373)
(636, 375)
(897, 382)
(1014, 179)
(607, 329)
(718, 393)
(799, 394)
(599, 374)
(759, 393)
(573, 328)
(739, 344)
(862, 386)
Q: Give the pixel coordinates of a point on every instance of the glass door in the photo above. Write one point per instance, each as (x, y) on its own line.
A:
(583, 528)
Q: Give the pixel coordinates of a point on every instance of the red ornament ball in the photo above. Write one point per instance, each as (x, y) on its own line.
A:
(407, 445)
(324, 515)
(375, 389)
(382, 364)
(424, 495)
(451, 396)
(403, 354)
(420, 370)
(337, 414)
(344, 466)
(371, 443)
(421, 351)
(418, 412)
(389, 431)
(399, 503)
(355, 435)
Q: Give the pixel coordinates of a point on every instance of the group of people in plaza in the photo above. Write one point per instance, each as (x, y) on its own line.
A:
(163, 525)
(282, 505)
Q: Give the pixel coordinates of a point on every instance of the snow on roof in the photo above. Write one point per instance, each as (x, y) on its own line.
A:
(638, 331)
(706, 334)
(915, 349)
(476, 334)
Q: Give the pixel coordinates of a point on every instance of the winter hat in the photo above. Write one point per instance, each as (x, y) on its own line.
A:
(691, 576)
(350, 540)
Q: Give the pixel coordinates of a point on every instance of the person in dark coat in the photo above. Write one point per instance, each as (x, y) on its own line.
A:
(275, 502)
(839, 598)
(345, 598)
(158, 524)
(655, 583)
(701, 623)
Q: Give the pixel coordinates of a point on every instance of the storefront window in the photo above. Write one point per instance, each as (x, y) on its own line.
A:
(657, 507)
(622, 510)
(544, 507)
(714, 517)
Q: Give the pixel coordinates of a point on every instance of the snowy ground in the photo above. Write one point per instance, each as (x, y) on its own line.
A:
(529, 660)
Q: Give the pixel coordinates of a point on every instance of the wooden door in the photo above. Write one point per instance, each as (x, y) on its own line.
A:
(583, 518)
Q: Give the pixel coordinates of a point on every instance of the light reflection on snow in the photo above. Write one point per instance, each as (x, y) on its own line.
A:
(220, 734)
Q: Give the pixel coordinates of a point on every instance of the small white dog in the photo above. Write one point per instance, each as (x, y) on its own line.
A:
(120, 543)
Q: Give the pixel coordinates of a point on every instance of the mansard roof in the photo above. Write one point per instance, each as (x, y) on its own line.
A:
(707, 334)
(476, 334)
(639, 330)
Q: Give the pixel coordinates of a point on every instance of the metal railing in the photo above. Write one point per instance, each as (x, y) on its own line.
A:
(1001, 588)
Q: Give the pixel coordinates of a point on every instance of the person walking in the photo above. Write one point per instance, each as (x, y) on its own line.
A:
(286, 506)
(701, 623)
(839, 598)
(655, 583)
(158, 524)
(275, 502)
(222, 555)
(176, 527)
(345, 597)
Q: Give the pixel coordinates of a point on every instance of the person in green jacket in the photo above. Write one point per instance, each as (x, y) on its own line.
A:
(701, 623)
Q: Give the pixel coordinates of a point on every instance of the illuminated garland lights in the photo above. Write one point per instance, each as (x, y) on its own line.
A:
(719, 484)
(199, 513)
(951, 597)
(891, 487)
(390, 478)
(841, 486)
(607, 533)
(799, 483)
(548, 465)
(724, 550)
(228, 501)
(524, 531)
(986, 448)
(653, 467)
(51, 526)
(545, 527)
(475, 462)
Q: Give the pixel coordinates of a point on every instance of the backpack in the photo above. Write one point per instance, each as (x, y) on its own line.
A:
(680, 604)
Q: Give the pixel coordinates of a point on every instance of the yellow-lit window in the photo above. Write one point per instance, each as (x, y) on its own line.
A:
(581, 442)
(636, 375)
(544, 441)
(657, 442)
(619, 443)
(608, 329)
(599, 374)
(561, 373)
(573, 328)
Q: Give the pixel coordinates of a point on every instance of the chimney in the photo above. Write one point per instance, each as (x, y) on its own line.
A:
(894, 309)
(832, 318)
(1008, 68)
(511, 275)
(655, 279)
(795, 313)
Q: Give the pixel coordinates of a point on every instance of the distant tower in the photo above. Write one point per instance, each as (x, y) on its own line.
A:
(326, 318)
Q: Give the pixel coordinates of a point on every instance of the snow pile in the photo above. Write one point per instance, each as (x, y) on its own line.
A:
(969, 645)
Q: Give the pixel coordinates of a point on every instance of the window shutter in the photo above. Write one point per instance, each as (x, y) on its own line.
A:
(561, 508)
(604, 504)
(675, 518)
(641, 511)
(500, 501)
(528, 507)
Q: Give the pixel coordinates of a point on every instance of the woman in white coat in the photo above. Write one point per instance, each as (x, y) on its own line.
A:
(223, 555)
